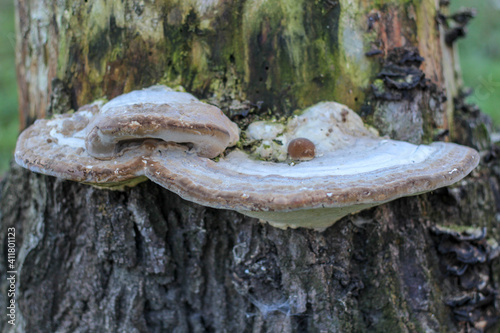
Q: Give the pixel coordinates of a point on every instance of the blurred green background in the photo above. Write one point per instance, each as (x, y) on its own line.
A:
(9, 123)
(479, 53)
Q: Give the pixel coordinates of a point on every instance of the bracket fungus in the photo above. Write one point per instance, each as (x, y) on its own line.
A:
(110, 145)
(159, 113)
(352, 169)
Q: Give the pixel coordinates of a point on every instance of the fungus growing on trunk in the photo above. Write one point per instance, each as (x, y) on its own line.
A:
(109, 145)
(353, 168)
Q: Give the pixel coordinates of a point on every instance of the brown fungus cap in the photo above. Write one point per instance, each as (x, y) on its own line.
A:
(109, 145)
(159, 113)
(56, 147)
(301, 149)
(353, 169)
(314, 194)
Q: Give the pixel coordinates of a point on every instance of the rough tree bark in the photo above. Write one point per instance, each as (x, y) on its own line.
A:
(144, 260)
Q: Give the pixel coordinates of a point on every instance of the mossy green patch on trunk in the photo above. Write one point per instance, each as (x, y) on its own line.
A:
(286, 55)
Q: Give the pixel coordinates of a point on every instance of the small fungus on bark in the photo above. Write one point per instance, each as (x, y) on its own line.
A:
(301, 149)
(353, 167)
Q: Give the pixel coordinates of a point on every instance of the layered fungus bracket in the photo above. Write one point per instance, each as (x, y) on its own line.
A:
(158, 113)
(171, 138)
(466, 258)
(400, 76)
(111, 144)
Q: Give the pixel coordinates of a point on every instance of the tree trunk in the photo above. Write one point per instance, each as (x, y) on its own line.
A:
(145, 260)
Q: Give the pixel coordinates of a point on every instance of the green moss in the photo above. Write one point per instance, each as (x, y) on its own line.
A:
(289, 53)
(381, 298)
(275, 52)
(382, 3)
(379, 84)
(353, 69)
(458, 228)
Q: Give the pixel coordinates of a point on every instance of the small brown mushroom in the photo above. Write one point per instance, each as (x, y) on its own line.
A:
(301, 149)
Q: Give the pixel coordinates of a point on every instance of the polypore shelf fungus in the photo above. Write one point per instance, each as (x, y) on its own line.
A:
(170, 138)
(111, 144)
(159, 113)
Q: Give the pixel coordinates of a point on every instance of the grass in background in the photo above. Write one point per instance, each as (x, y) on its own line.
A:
(480, 55)
(9, 121)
